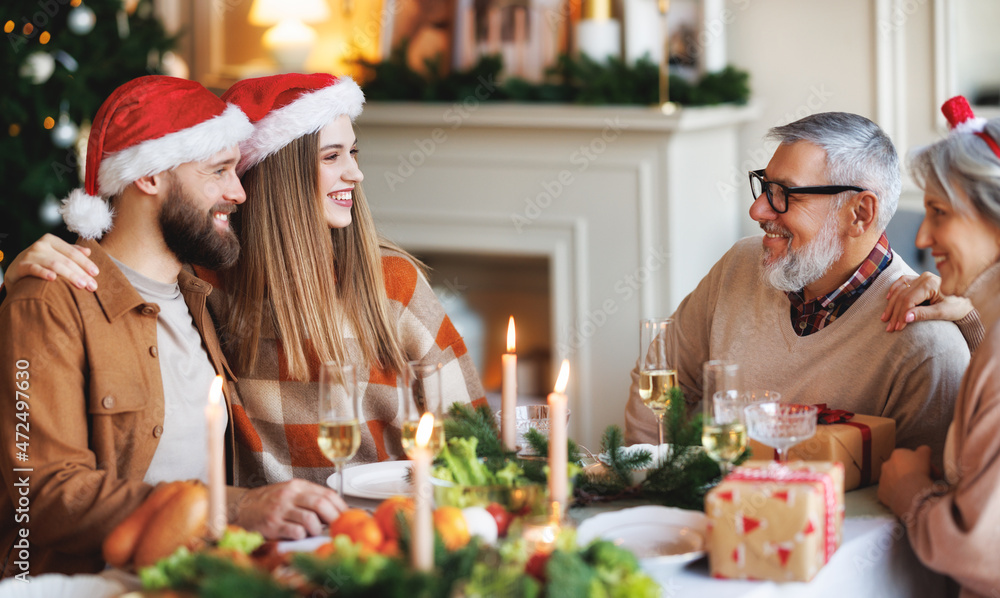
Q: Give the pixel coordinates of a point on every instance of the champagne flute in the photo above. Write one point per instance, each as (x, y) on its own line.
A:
(657, 368)
(724, 434)
(339, 430)
(419, 388)
(781, 425)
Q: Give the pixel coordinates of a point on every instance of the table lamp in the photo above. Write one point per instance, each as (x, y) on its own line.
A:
(290, 40)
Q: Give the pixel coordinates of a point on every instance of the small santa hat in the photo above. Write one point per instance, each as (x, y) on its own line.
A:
(146, 126)
(285, 107)
(963, 121)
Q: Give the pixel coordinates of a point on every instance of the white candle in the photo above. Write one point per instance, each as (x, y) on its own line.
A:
(508, 398)
(216, 461)
(558, 484)
(423, 529)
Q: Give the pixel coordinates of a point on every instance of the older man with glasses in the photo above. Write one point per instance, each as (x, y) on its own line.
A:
(799, 308)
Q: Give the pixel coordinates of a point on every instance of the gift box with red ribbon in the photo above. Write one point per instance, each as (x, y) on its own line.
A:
(860, 442)
(774, 521)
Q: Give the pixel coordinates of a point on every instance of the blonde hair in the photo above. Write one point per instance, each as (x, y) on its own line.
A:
(309, 280)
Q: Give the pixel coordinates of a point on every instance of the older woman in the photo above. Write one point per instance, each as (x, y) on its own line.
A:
(952, 524)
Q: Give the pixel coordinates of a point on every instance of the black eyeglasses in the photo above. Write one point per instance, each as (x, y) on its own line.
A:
(777, 194)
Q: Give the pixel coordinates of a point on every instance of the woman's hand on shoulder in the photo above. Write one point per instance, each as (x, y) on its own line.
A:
(50, 257)
(919, 298)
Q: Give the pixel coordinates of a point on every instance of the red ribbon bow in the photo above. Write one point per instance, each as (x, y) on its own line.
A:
(831, 416)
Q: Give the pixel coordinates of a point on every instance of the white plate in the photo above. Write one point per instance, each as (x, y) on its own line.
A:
(374, 480)
(57, 584)
(658, 536)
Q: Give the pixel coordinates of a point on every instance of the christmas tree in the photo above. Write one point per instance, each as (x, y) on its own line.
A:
(61, 59)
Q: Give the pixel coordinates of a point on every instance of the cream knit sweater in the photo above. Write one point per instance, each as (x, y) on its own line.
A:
(911, 376)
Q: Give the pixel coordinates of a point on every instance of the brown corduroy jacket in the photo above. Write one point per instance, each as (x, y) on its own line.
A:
(82, 412)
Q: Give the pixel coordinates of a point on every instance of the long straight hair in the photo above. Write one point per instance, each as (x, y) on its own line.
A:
(307, 279)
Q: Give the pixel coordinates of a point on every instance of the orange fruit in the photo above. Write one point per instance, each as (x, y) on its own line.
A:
(450, 523)
(390, 547)
(385, 515)
(360, 527)
(324, 549)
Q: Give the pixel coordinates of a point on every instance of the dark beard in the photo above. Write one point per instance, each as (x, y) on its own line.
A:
(191, 235)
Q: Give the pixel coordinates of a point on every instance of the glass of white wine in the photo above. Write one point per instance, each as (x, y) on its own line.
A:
(339, 430)
(724, 432)
(419, 389)
(657, 368)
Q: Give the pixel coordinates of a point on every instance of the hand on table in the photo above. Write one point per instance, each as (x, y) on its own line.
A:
(907, 296)
(904, 468)
(290, 510)
(49, 257)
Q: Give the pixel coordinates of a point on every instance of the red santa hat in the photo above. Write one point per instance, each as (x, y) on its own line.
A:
(147, 126)
(963, 121)
(285, 107)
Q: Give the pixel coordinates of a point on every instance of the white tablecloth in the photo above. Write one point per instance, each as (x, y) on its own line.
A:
(874, 559)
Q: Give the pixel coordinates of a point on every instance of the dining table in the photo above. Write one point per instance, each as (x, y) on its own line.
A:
(874, 560)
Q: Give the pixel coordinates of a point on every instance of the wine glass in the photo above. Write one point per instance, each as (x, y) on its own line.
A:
(339, 430)
(657, 368)
(724, 433)
(781, 425)
(419, 388)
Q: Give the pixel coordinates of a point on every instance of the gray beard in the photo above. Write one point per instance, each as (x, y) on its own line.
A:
(799, 268)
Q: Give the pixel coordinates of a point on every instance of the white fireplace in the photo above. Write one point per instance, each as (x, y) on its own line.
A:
(629, 208)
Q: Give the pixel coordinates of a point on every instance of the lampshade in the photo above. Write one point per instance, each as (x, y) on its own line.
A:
(269, 12)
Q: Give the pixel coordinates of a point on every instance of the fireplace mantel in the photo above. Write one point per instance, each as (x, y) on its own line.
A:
(631, 207)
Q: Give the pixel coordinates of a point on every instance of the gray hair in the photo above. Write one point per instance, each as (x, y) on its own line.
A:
(858, 153)
(964, 170)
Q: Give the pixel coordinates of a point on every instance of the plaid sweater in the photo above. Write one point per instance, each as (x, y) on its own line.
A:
(275, 419)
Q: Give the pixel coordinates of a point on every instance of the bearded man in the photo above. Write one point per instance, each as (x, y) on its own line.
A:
(107, 389)
(799, 308)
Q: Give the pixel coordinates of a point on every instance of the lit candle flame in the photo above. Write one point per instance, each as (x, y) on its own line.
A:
(563, 377)
(215, 392)
(424, 429)
(510, 335)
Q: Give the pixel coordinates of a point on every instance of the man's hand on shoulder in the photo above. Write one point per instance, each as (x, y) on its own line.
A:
(290, 510)
(50, 257)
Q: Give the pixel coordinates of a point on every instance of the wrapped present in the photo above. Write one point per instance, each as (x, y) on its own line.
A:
(860, 442)
(773, 521)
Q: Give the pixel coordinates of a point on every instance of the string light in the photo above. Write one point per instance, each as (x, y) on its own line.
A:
(14, 130)
(8, 26)
(49, 122)
(28, 28)
(44, 37)
(76, 3)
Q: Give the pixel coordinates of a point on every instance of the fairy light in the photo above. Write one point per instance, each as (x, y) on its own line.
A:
(8, 26)
(28, 28)
(14, 130)
(49, 122)
(44, 37)
(75, 3)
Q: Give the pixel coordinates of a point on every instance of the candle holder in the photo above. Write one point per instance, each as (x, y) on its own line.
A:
(529, 417)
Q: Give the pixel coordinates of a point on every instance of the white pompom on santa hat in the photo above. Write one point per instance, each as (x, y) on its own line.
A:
(147, 126)
(285, 107)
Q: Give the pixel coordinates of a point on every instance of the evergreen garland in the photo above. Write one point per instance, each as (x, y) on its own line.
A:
(680, 479)
(572, 80)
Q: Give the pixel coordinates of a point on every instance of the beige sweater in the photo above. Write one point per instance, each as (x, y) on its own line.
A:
(956, 530)
(911, 376)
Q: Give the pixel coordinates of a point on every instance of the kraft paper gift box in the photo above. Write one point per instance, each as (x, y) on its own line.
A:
(776, 522)
(860, 442)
